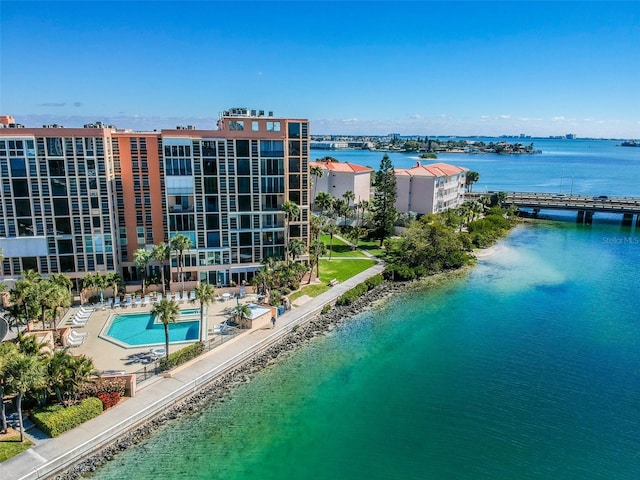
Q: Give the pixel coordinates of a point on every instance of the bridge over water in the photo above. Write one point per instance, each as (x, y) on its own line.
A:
(586, 206)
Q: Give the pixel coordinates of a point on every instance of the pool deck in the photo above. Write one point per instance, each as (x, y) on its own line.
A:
(108, 355)
(52, 455)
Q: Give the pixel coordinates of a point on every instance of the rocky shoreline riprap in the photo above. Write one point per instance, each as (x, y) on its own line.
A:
(222, 386)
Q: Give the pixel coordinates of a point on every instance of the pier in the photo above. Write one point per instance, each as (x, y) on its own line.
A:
(586, 206)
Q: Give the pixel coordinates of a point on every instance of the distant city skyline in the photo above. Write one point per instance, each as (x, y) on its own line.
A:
(353, 68)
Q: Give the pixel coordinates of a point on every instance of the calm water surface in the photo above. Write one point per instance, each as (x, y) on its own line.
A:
(527, 368)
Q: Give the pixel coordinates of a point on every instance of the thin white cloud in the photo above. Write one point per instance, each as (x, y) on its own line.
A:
(505, 116)
(415, 116)
(559, 118)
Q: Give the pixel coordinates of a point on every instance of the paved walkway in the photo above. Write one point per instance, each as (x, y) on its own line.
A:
(54, 455)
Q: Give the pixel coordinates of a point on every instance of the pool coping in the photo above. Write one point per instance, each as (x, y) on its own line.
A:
(103, 334)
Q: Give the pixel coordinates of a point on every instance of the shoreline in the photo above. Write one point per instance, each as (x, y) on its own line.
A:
(219, 388)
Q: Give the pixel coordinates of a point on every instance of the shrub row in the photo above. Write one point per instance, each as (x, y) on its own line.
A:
(56, 419)
(350, 296)
(109, 399)
(100, 385)
(181, 356)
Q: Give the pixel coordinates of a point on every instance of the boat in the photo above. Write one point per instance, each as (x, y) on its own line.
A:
(630, 143)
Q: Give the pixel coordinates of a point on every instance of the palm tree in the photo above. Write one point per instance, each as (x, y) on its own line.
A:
(296, 248)
(24, 294)
(7, 351)
(291, 212)
(142, 257)
(323, 201)
(62, 280)
(471, 177)
(341, 207)
(316, 250)
(114, 280)
(349, 196)
(316, 172)
(331, 229)
(167, 312)
(241, 312)
(46, 293)
(179, 243)
(161, 253)
(205, 293)
(25, 373)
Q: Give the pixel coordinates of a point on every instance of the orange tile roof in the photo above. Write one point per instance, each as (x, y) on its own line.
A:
(342, 167)
(432, 170)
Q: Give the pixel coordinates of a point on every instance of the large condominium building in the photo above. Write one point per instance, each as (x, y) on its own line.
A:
(431, 188)
(80, 200)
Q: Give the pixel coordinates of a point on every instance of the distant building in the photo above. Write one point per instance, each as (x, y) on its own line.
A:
(340, 177)
(431, 188)
(330, 145)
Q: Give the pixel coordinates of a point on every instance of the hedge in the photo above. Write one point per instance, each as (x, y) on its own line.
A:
(350, 296)
(181, 356)
(56, 419)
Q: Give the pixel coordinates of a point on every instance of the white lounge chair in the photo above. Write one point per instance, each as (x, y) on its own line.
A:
(192, 295)
(169, 296)
(116, 302)
(158, 297)
(73, 335)
(79, 323)
(75, 342)
(147, 301)
(127, 302)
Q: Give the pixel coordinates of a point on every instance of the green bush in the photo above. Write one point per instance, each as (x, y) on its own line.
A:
(399, 273)
(350, 296)
(374, 281)
(56, 419)
(181, 356)
(326, 308)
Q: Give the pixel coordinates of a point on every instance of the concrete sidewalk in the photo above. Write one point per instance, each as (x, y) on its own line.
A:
(51, 456)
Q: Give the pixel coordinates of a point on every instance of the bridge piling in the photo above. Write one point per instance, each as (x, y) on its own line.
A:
(627, 219)
(580, 216)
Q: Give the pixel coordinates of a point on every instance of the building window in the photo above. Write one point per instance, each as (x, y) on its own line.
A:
(273, 126)
(255, 126)
(236, 125)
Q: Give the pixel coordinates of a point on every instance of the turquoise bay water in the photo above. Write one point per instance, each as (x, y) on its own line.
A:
(526, 368)
(141, 329)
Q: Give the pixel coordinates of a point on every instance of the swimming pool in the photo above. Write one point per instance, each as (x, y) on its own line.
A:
(137, 329)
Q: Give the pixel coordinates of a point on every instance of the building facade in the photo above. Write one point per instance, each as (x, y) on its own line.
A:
(340, 177)
(80, 200)
(431, 188)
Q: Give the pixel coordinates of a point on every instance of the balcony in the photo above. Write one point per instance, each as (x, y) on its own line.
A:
(181, 208)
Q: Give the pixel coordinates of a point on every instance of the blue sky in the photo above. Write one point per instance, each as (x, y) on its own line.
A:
(365, 67)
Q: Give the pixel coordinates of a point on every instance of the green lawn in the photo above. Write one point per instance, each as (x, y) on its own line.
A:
(373, 247)
(10, 446)
(341, 270)
(339, 249)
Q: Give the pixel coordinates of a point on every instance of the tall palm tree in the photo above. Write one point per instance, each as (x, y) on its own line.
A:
(179, 243)
(291, 212)
(316, 172)
(24, 294)
(323, 201)
(296, 248)
(167, 312)
(7, 351)
(142, 257)
(331, 229)
(349, 196)
(25, 373)
(46, 293)
(161, 253)
(205, 294)
(114, 280)
(242, 313)
(62, 280)
(316, 250)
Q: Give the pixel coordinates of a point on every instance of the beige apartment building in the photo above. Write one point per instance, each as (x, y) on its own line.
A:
(431, 188)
